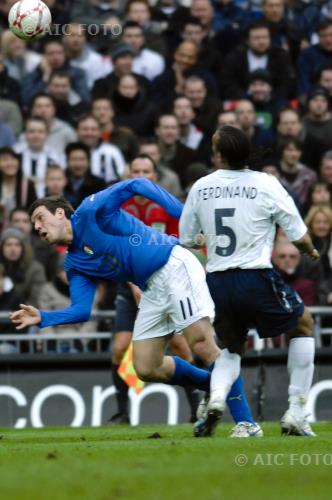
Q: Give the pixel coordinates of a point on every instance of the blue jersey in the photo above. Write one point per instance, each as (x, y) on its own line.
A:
(109, 243)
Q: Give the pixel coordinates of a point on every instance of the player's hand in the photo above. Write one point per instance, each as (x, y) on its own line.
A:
(314, 255)
(26, 316)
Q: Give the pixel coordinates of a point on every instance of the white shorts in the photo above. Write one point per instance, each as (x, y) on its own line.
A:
(176, 296)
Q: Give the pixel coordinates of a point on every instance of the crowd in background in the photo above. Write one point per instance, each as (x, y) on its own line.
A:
(140, 76)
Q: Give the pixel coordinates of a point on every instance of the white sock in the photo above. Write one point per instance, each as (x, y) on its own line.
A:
(226, 370)
(300, 366)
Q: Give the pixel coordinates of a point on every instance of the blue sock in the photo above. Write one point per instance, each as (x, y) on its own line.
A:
(238, 404)
(188, 374)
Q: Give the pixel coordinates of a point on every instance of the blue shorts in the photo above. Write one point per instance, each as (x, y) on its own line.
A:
(258, 298)
(125, 310)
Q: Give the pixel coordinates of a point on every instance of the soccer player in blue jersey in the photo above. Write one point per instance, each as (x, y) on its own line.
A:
(107, 242)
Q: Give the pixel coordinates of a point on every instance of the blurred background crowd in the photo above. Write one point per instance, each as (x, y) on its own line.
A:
(116, 78)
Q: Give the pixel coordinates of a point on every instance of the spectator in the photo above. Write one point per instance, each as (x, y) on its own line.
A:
(47, 255)
(319, 195)
(267, 104)
(203, 10)
(26, 273)
(295, 176)
(319, 223)
(132, 107)
(324, 77)
(123, 58)
(228, 118)
(54, 58)
(317, 125)
(9, 301)
(146, 62)
(60, 133)
(55, 181)
(69, 105)
(169, 15)
(122, 137)
(304, 17)
(140, 12)
(81, 55)
(15, 189)
(18, 59)
(312, 58)
(35, 153)
(205, 106)
(95, 11)
(172, 81)
(10, 115)
(287, 258)
(246, 116)
(289, 123)
(209, 57)
(174, 154)
(190, 135)
(80, 181)
(166, 178)
(9, 88)
(258, 53)
(326, 169)
(107, 161)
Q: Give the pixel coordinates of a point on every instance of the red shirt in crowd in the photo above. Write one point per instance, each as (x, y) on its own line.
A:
(152, 215)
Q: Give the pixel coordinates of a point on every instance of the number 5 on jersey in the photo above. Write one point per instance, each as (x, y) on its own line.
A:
(224, 230)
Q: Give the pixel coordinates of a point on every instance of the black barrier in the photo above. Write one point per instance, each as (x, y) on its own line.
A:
(44, 390)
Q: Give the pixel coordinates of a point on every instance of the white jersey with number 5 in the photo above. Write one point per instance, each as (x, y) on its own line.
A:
(237, 211)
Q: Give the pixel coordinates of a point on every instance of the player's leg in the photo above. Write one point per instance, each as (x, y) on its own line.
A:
(300, 366)
(125, 313)
(179, 347)
(283, 311)
(152, 365)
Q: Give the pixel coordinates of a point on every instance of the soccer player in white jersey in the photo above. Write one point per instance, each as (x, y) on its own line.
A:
(237, 210)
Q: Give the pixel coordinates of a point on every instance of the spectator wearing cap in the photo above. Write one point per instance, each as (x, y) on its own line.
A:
(82, 56)
(146, 62)
(312, 58)
(122, 58)
(317, 125)
(267, 104)
(257, 53)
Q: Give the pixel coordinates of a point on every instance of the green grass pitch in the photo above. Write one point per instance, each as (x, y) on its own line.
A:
(133, 463)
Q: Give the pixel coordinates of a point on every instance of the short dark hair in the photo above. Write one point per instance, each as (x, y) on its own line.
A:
(40, 95)
(132, 24)
(195, 21)
(257, 25)
(59, 73)
(77, 146)
(284, 142)
(323, 25)
(52, 203)
(17, 209)
(35, 119)
(86, 116)
(234, 146)
(143, 156)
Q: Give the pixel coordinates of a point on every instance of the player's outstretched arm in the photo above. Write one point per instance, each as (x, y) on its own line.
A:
(306, 247)
(112, 198)
(26, 316)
